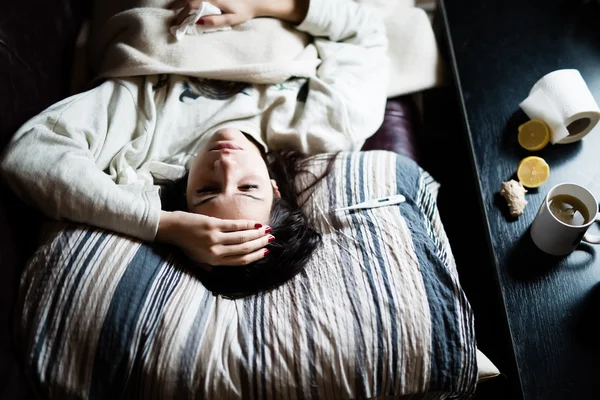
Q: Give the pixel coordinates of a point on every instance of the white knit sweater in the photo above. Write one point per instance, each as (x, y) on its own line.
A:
(96, 157)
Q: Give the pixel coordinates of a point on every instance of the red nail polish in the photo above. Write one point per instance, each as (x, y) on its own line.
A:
(258, 226)
(268, 230)
(200, 21)
(271, 239)
(267, 251)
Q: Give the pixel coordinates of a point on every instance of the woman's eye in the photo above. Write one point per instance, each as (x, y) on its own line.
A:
(248, 187)
(206, 190)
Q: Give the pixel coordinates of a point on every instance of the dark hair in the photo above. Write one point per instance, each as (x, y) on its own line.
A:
(295, 241)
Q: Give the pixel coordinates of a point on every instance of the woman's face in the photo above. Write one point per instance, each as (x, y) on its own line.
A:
(229, 179)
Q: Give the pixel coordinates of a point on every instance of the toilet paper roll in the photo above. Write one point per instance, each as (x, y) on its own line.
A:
(564, 102)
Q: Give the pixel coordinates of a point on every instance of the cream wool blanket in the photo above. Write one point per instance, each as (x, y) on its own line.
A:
(138, 42)
(131, 38)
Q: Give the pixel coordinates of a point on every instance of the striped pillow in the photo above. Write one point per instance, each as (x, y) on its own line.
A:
(378, 312)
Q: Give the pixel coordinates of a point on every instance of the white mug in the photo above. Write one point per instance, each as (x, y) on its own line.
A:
(554, 236)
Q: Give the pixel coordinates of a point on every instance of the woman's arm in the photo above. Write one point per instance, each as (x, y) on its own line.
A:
(345, 101)
(56, 162)
(51, 163)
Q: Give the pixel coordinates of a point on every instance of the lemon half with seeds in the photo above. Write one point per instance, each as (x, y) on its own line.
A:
(533, 171)
(534, 135)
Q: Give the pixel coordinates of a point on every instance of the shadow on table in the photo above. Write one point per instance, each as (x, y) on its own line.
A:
(586, 327)
(528, 263)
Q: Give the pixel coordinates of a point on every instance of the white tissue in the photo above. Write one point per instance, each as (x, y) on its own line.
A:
(189, 26)
(564, 102)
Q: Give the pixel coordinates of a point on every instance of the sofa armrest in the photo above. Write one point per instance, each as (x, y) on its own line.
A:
(400, 129)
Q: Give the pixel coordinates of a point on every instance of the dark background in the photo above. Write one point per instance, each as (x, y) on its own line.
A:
(500, 49)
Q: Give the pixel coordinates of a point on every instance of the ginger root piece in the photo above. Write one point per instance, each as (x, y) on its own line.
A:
(514, 194)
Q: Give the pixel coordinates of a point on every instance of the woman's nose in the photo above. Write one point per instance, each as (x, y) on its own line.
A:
(226, 165)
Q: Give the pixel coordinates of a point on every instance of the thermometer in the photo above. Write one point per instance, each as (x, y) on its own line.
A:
(374, 203)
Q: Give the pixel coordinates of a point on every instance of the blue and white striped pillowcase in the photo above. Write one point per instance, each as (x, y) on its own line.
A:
(104, 314)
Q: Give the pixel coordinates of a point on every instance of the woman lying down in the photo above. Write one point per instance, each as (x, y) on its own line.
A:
(232, 148)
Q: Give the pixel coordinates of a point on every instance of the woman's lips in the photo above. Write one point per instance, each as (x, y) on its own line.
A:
(226, 145)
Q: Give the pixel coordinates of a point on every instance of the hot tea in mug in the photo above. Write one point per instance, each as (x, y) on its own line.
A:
(569, 209)
(564, 218)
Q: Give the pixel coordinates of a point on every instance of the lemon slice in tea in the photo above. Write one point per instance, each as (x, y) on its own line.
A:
(533, 171)
(534, 135)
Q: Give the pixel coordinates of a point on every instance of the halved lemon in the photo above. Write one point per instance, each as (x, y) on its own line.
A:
(534, 135)
(533, 171)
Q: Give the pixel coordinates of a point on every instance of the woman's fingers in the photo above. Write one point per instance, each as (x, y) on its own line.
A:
(245, 259)
(228, 18)
(186, 8)
(244, 236)
(232, 225)
(221, 20)
(245, 247)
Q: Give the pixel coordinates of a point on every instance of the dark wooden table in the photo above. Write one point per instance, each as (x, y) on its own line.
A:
(497, 50)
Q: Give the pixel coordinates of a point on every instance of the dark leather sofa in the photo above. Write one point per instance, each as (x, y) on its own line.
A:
(36, 51)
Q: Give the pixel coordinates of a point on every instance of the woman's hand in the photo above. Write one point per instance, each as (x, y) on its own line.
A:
(211, 241)
(237, 11)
